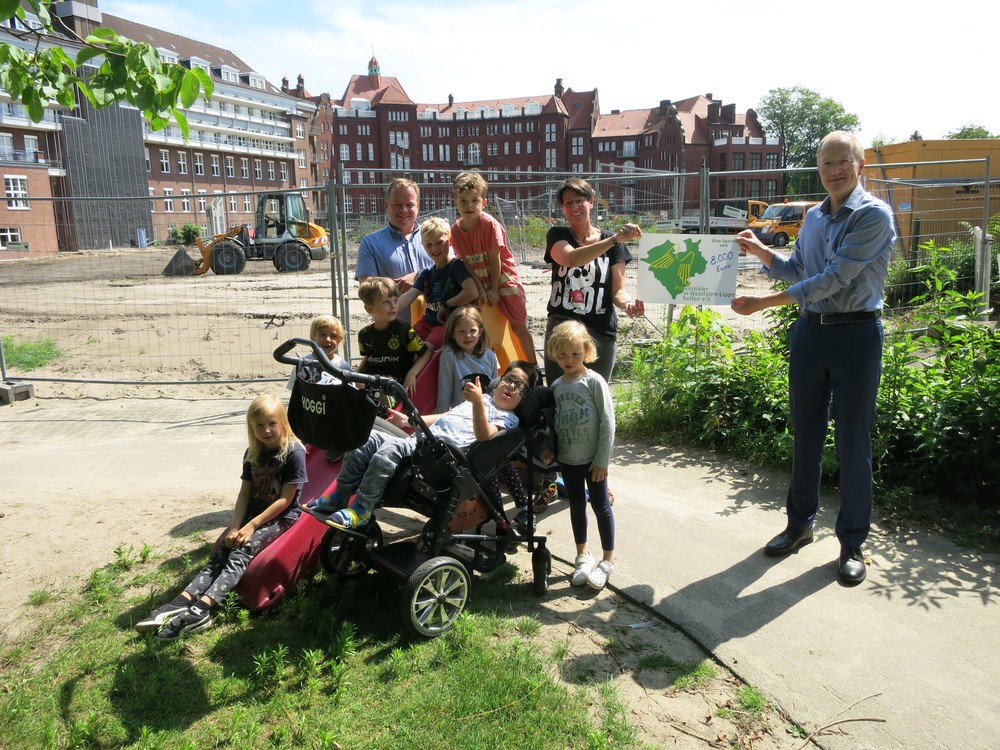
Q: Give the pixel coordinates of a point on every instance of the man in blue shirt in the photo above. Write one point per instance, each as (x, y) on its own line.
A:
(836, 273)
(395, 251)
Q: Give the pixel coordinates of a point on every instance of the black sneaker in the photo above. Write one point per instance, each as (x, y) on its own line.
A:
(159, 616)
(191, 620)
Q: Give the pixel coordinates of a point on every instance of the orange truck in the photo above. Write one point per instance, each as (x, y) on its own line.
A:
(780, 223)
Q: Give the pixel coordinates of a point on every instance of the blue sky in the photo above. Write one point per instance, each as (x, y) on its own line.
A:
(899, 69)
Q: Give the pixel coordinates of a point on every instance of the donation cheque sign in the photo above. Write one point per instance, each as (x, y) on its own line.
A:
(688, 269)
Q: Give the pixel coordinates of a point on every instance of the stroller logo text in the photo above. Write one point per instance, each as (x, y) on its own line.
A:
(316, 407)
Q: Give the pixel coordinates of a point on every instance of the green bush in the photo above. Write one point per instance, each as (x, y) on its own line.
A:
(938, 423)
(185, 234)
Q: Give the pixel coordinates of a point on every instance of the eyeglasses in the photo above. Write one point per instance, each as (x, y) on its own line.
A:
(518, 386)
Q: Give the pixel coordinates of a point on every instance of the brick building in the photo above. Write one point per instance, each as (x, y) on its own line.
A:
(518, 142)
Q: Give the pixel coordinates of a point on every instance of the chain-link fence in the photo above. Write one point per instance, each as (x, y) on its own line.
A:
(113, 316)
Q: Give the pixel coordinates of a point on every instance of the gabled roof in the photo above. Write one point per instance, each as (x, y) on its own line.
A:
(545, 102)
(182, 46)
(581, 106)
(631, 122)
(376, 89)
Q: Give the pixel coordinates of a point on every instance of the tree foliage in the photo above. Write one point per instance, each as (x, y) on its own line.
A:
(801, 117)
(107, 69)
(967, 132)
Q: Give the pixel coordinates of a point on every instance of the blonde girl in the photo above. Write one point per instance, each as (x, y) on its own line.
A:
(466, 354)
(585, 430)
(274, 470)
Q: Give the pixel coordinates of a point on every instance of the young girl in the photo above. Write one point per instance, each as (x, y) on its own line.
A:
(585, 429)
(274, 470)
(466, 353)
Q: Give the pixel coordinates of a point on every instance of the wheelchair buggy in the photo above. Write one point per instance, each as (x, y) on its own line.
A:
(467, 529)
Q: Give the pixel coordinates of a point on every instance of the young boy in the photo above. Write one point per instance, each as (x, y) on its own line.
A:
(367, 470)
(445, 286)
(328, 332)
(480, 241)
(389, 346)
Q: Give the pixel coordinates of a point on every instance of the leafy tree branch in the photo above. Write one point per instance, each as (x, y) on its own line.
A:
(108, 69)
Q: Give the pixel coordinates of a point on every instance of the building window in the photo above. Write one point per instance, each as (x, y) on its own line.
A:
(753, 186)
(215, 165)
(244, 168)
(770, 190)
(300, 131)
(9, 235)
(164, 161)
(576, 145)
(359, 151)
(202, 201)
(550, 132)
(736, 188)
(772, 161)
(199, 164)
(738, 162)
(755, 161)
(345, 152)
(270, 169)
(302, 158)
(148, 170)
(185, 200)
(232, 204)
(284, 171)
(230, 166)
(247, 204)
(182, 162)
(168, 200)
(16, 187)
(550, 158)
(258, 170)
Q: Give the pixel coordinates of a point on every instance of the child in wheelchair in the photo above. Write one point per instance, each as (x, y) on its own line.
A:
(368, 470)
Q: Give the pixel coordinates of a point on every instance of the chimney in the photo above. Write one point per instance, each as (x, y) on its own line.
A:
(451, 100)
(300, 86)
(284, 85)
(559, 90)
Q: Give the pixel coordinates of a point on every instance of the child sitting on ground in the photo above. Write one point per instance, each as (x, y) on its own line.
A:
(368, 469)
(274, 470)
(445, 286)
(389, 346)
(480, 241)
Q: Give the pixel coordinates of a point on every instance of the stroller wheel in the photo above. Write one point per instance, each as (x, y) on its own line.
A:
(541, 568)
(339, 551)
(434, 596)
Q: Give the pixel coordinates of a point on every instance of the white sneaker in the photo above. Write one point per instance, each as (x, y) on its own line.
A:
(584, 564)
(599, 576)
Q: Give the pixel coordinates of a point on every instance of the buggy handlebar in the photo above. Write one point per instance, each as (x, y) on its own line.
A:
(392, 388)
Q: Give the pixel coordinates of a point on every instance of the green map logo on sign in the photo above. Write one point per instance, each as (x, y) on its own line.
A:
(688, 269)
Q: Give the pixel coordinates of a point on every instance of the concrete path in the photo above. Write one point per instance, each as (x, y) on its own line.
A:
(910, 658)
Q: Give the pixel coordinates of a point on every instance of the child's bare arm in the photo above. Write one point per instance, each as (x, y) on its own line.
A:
(407, 298)
(239, 511)
(271, 512)
(410, 382)
(493, 290)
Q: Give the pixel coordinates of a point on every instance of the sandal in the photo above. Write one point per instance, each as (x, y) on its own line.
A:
(545, 497)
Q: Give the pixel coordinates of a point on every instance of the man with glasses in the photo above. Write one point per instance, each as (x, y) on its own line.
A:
(395, 251)
(837, 274)
(367, 470)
